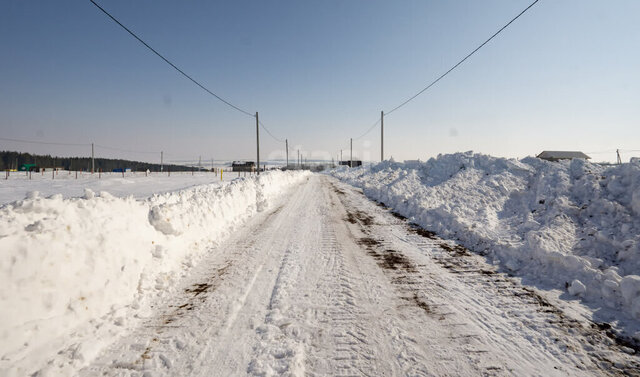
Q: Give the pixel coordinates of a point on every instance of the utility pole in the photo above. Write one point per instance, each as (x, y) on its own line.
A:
(286, 143)
(211, 163)
(298, 158)
(199, 163)
(257, 143)
(93, 164)
(340, 155)
(618, 154)
(161, 161)
(381, 136)
(351, 158)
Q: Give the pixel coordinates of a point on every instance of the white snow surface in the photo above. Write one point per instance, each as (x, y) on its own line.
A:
(137, 184)
(572, 225)
(75, 269)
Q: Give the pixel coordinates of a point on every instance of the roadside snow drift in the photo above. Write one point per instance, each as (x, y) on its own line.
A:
(69, 263)
(572, 225)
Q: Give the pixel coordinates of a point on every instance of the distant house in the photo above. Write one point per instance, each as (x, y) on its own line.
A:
(348, 163)
(243, 166)
(561, 155)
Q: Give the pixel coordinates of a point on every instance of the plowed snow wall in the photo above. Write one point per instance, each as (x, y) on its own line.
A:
(65, 262)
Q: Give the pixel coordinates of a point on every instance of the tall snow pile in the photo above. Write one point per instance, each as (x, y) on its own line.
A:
(571, 224)
(69, 263)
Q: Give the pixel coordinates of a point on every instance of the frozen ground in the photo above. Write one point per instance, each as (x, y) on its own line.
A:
(572, 226)
(137, 184)
(322, 281)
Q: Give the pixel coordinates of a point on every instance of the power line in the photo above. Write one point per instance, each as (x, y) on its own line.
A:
(367, 131)
(171, 64)
(461, 61)
(269, 132)
(74, 144)
(43, 142)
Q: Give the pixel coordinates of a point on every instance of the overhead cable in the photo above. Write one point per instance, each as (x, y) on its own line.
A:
(269, 132)
(170, 63)
(367, 131)
(461, 61)
(43, 142)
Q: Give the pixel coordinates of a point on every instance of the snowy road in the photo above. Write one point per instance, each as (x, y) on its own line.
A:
(329, 283)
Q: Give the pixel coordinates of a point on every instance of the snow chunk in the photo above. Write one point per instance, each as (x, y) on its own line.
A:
(630, 289)
(635, 201)
(89, 194)
(161, 221)
(32, 195)
(577, 288)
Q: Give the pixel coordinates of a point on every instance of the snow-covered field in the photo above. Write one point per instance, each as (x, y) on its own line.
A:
(568, 225)
(136, 184)
(74, 269)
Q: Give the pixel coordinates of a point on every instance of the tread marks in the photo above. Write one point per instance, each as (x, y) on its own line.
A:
(351, 354)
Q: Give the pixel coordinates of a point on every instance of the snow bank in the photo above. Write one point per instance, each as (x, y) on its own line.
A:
(570, 224)
(68, 262)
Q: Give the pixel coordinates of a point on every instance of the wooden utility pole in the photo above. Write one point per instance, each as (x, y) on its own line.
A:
(286, 145)
(351, 158)
(381, 136)
(161, 161)
(618, 155)
(257, 143)
(298, 158)
(93, 164)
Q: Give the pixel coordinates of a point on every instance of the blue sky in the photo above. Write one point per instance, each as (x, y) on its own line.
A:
(564, 76)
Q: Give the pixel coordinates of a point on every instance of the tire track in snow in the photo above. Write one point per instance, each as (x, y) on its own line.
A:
(372, 340)
(350, 350)
(234, 349)
(415, 355)
(314, 325)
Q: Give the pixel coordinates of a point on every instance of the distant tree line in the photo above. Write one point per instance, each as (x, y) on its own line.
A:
(13, 160)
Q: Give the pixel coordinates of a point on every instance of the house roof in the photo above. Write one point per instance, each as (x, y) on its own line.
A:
(561, 155)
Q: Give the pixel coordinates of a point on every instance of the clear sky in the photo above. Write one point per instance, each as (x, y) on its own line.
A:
(565, 76)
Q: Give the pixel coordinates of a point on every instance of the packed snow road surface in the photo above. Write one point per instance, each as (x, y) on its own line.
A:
(329, 283)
